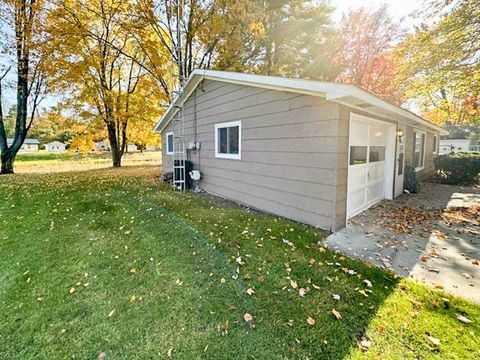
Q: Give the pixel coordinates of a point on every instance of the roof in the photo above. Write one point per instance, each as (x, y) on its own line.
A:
(28, 141)
(346, 94)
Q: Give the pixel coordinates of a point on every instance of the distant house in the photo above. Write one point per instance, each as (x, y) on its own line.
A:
(152, 148)
(132, 148)
(29, 145)
(452, 145)
(55, 146)
(102, 146)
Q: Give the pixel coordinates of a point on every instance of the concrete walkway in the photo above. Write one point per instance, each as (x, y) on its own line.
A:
(432, 237)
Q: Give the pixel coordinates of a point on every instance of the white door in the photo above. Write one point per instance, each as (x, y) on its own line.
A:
(400, 164)
(367, 164)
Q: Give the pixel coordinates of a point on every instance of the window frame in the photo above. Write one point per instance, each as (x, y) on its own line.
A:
(167, 135)
(424, 133)
(229, 125)
(435, 141)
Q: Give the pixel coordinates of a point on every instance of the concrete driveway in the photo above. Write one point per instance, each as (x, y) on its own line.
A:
(432, 237)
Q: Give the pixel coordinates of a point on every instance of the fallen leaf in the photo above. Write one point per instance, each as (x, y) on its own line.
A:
(439, 286)
(368, 283)
(364, 344)
(222, 281)
(250, 291)
(336, 297)
(133, 298)
(102, 356)
(424, 258)
(475, 262)
(133, 270)
(72, 290)
(225, 327)
(464, 319)
(169, 352)
(310, 321)
(293, 284)
(336, 314)
(381, 328)
(110, 314)
(247, 317)
(302, 292)
(434, 341)
(362, 292)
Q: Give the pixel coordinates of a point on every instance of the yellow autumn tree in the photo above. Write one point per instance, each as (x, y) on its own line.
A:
(100, 64)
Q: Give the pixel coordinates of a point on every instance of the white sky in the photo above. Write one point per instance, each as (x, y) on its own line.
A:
(398, 9)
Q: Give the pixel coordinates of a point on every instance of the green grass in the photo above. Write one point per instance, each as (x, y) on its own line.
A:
(62, 231)
(44, 162)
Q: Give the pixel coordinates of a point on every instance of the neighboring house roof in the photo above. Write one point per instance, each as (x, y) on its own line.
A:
(346, 94)
(28, 141)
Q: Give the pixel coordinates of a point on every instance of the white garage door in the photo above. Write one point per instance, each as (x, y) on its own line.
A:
(367, 164)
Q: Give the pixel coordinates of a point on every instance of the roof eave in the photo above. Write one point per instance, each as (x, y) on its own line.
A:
(346, 94)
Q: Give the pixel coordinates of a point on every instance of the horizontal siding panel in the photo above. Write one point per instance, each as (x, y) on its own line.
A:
(287, 185)
(300, 130)
(270, 206)
(291, 160)
(318, 144)
(319, 207)
(256, 198)
(308, 175)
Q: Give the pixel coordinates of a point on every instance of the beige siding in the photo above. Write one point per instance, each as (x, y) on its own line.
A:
(429, 155)
(293, 159)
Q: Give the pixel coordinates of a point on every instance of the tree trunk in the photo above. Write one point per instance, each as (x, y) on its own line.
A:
(116, 157)
(8, 158)
(117, 151)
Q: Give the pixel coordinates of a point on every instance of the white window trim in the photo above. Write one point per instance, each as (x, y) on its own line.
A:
(435, 138)
(424, 147)
(226, 125)
(166, 142)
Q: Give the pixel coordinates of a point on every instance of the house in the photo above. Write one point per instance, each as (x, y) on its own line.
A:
(315, 152)
(102, 146)
(450, 145)
(29, 145)
(132, 148)
(152, 148)
(55, 146)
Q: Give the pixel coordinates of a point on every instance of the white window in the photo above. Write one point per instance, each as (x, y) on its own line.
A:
(228, 140)
(169, 139)
(418, 150)
(435, 144)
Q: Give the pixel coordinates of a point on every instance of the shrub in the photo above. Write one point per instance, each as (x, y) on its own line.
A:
(458, 167)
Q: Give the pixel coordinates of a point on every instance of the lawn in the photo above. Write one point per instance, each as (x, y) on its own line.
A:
(114, 261)
(44, 162)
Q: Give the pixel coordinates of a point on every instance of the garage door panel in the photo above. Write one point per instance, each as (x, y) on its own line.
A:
(377, 135)
(356, 200)
(358, 133)
(376, 173)
(367, 164)
(375, 193)
(358, 178)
